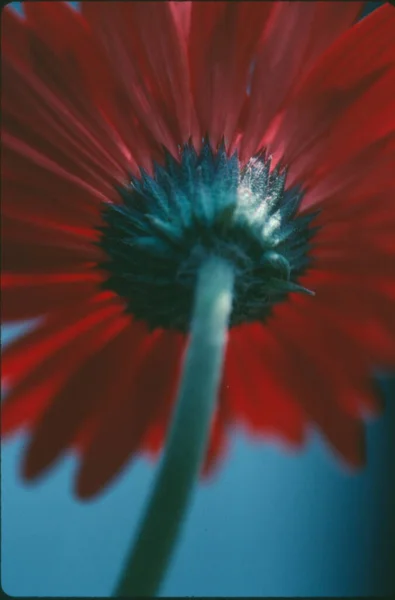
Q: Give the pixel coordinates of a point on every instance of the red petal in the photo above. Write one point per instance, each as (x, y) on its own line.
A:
(57, 25)
(147, 80)
(25, 354)
(14, 35)
(371, 305)
(361, 179)
(50, 78)
(17, 151)
(298, 34)
(312, 386)
(220, 61)
(58, 202)
(182, 16)
(354, 140)
(32, 229)
(348, 260)
(22, 258)
(95, 360)
(55, 130)
(63, 50)
(153, 372)
(33, 243)
(265, 405)
(349, 70)
(351, 372)
(28, 296)
(44, 367)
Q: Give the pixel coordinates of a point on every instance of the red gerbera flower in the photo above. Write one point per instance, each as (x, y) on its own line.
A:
(131, 150)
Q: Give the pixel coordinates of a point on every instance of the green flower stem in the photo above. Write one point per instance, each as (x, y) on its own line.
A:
(185, 449)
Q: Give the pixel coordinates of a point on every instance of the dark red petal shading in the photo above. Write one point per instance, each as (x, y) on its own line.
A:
(308, 379)
(89, 379)
(261, 402)
(22, 152)
(14, 38)
(366, 131)
(55, 130)
(371, 323)
(36, 366)
(66, 56)
(58, 202)
(375, 302)
(298, 34)
(26, 258)
(38, 245)
(147, 82)
(25, 296)
(345, 76)
(55, 331)
(60, 28)
(348, 364)
(223, 39)
(366, 180)
(136, 401)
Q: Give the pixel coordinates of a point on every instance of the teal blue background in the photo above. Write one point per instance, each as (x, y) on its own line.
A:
(271, 523)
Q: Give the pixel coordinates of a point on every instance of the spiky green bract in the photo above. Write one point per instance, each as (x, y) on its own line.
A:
(202, 205)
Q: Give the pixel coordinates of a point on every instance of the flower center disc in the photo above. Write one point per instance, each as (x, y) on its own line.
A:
(200, 205)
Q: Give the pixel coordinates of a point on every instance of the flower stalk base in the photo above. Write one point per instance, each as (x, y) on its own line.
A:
(184, 453)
